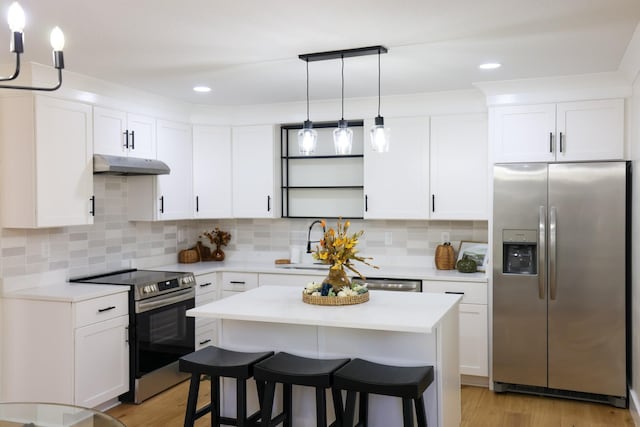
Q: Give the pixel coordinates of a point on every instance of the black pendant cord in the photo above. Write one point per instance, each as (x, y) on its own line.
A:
(342, 60)
(307, 61)
(378, 83)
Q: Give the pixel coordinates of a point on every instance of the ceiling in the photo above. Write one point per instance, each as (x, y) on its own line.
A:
(247, 50)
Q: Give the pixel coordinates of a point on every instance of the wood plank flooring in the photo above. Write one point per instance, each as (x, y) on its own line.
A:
(480, 408)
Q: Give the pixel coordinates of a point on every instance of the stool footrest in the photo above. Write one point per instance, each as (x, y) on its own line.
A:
(252, 419)
(202, 411)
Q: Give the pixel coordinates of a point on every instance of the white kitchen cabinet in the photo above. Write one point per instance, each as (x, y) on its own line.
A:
(207, 291)
(165, 197)
(569, 131)
(396, 183)
(233, 282)
(253, 166)
(459, 166)
(118, 133)
(65, 352)
(47, 172)
(293, 280)
(474, 324)
(212, 171)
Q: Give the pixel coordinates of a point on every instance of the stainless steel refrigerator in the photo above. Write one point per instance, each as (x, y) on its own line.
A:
(560, 272)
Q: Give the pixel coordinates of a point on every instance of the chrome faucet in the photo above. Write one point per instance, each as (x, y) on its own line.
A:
(309, 242)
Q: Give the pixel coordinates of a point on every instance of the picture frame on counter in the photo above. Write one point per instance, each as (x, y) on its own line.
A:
(476, 251)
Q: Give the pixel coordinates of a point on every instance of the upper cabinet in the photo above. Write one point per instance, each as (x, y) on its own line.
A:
(253, 166)
(166, 197)
(123, 134)
(459, 167)
(212, 171)
(47, 172)
(396, 183)
(569, 131)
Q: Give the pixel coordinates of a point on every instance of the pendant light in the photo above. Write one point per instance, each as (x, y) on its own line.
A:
(342, 135)
(307, 136)
(16, 20)
(380, 136)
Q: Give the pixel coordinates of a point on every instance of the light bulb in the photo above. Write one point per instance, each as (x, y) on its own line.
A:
(307, 140)
(342, 138)
(380, 136)
(16, 18)
(57, 39)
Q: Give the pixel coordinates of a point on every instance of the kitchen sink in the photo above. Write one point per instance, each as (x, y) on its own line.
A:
(304, 266)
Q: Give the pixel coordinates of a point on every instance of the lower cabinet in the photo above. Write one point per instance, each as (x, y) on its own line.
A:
(293, 280)
(74, 353)
(474, 326)
(233, 282)
(207, 290)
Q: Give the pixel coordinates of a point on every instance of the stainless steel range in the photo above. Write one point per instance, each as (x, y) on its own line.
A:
(159, 330)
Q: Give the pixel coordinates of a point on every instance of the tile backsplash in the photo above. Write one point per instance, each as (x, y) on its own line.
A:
(112, 242)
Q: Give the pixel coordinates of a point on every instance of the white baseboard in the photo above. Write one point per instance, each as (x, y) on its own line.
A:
(474, 380)
(634, 406)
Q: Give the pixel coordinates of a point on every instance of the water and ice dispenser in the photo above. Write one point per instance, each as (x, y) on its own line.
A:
(519, 252)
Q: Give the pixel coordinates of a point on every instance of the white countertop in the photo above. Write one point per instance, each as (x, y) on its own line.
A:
(395, 271)
(66, 292)
(385, 311)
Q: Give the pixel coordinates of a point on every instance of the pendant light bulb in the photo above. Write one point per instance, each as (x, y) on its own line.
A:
(307, 136)
(16, 18)
(57, 39)
(380, 136)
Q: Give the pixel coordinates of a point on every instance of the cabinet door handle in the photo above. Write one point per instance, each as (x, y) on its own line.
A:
(197, 204)
(366, 203)
(126, 334)
(93, 205)
(237, 282)
(561, 142)
(133, 139)
(205, 341)
(433, 203)
(206, 284)
(102, 310)
(452, 292)
(551, 142)
(161, 204)
(268, 203)
(126, 139)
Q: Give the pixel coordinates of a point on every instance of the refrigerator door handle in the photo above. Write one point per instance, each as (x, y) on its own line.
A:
(553, 287)
(542, 244)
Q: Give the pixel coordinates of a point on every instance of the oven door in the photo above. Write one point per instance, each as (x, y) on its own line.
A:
(164, 333)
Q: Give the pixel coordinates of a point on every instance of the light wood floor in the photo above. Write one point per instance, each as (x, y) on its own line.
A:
(480, 408)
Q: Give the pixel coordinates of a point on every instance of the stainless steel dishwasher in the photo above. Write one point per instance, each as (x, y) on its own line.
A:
(387, 284)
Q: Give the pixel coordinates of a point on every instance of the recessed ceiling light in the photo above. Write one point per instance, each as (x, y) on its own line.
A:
(202, 89)
(489, 66)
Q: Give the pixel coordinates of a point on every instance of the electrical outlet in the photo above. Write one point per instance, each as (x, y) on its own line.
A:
(444, 237)
(388, 238)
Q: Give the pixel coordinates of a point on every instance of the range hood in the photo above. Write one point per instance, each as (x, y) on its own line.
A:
(120, 165)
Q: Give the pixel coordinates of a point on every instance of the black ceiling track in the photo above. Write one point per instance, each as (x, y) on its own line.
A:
(345, 53)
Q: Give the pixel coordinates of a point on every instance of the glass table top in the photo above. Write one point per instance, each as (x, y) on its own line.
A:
(53, 415)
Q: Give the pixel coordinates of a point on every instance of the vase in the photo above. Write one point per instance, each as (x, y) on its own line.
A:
(337, 278)
(218, 254)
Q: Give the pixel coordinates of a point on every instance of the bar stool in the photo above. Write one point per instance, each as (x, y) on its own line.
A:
(364, 377)
(218, 362)
(290, 370)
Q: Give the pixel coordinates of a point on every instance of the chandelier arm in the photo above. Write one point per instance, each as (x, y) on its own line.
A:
(15, 73)
(46, 89)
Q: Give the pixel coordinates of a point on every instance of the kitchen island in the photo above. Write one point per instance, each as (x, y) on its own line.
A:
(406, 329)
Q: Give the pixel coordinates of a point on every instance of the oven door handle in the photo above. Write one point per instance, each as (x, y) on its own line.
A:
(164, 300)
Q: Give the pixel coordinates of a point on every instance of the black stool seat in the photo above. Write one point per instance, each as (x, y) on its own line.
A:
(289, 369)
(219, 362)
(364, 377)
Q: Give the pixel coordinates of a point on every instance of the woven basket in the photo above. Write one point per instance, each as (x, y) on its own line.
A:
(320, 300)
(445, 257)
(188, 256)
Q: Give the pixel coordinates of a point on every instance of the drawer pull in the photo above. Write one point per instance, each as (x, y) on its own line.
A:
(205, 341)
(102, 310)
(456, 293)
(235, 282)
(206, 284)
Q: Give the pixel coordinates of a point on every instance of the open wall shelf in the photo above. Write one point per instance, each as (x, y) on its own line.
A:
(324, 185)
